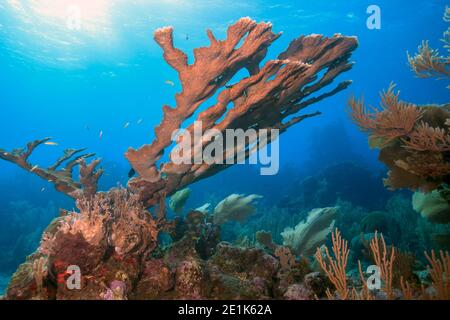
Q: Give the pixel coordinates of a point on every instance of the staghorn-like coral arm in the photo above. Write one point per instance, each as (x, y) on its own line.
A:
(61, 178)
(267, 99)
(214, 66)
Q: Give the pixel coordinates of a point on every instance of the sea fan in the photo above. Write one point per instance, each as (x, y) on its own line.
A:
(312, 233)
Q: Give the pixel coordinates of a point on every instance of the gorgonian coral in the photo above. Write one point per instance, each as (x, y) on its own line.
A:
(395, 119)
(414, 141)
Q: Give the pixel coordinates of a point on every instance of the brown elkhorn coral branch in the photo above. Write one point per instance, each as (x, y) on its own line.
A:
(61, 178)
(268, 98)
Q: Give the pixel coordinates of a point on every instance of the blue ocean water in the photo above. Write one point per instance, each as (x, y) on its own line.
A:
(72, 84)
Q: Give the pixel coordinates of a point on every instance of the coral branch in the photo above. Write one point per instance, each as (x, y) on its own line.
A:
(385, 261)
(263, 100)
(61, 178)
(427, 138)
(395, 118)
(335, 269)
(440, 273)
(428, 63)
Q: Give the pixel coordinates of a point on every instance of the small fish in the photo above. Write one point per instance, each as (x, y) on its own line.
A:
(34, 168)
(169, 82)
(43, 189)
(131, 173)
(139, 121)
(101, 135)
(50, 143)
(126, 125)
(187, 37)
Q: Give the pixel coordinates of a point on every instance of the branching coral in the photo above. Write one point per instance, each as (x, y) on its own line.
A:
(428, 63)
(269, 98)
(385, 261)
(335, 268)
(61, 178)
(427, 138)
(395, 119)
(415, 151)
(414, 140)
(440, 274)
(395, 270)
(263, 100)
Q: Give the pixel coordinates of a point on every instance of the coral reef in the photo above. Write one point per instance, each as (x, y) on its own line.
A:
(385, 257)
(416, 160)
(114, 240)
(111, 230)
(270, 94)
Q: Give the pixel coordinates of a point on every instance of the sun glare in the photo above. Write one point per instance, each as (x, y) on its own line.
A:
(83, 15)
